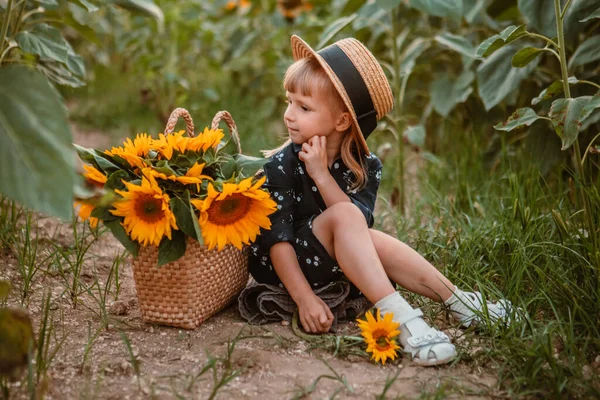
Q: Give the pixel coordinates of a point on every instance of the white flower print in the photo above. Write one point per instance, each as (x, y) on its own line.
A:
(336, 165)
(314, 188)
(308, 261)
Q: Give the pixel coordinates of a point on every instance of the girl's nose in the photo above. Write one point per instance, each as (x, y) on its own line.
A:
(288, 115)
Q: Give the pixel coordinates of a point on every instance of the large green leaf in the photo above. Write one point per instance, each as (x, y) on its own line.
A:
(567, 116)
(594, 15)
(446, 92)
(119, 232)
(499, 40)
(578, 10)
(587, 52)
(522, 117)
(439, 8)
(36, 161)
(525, 56)
(187, 220)
(539, 14)
(415, 134)
(497, 78)
(412, 52)
(457, 43)
(333, 29)
(143, 7)
(553, 90)
(591, 106)
(171, 250)
(248, 165)
(45, 41)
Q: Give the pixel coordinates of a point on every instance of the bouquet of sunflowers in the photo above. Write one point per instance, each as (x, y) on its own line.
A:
(163, 191)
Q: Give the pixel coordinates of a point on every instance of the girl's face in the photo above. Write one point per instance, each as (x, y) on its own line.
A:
(308, 116)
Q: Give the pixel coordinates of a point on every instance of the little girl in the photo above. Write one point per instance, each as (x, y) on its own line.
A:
(325, 180)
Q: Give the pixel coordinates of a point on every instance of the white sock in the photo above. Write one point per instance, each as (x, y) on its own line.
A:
(396, 304)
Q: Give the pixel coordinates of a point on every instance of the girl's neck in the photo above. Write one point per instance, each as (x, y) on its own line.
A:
(334, 146)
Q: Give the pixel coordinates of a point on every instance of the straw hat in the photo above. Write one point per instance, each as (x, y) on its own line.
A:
(358, 78)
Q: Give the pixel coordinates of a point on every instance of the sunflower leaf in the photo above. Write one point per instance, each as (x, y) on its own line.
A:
(248, 165)
(115, 180)
(103, 213)
(183, 216)
(117, 229)
(171, 250)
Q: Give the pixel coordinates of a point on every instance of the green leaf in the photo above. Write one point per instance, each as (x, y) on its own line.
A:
(115, 180)
(171, 250)
(185, 217)
(522, 117)
(594, 15)
(48, 2)
(591, 106)
(164, 168)
(566, 116)
(457, 43)
(388, 4)
(507, 36)
(525, 56)
(86, 4)
(412, 52)
(587, 52)
(36, 162)
(99, 160)
(446, 92)
(228, 166)
(45, 41)
(497, 78)
(415, 135)
(333, 29)
(553, 90)
(119, 232)
(143, 7)
(540, 15)
(439, 8)
(248, 165)
(60, 74)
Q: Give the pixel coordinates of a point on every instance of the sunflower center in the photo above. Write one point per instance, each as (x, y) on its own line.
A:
(148, 208)
(382, 341)
(230, 210)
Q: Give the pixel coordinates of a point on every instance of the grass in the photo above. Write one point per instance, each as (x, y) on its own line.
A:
(516, 234)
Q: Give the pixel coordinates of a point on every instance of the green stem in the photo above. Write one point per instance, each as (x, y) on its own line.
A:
(5, 24)
(398, 88)
(588, 148)
(589, 219)
(548, 40)
(564, 10)
(589, 83)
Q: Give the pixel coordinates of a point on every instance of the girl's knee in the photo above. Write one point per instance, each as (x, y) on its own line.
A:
(344, 213)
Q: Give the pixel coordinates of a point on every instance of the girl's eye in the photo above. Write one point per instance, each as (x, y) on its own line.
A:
(304, 108)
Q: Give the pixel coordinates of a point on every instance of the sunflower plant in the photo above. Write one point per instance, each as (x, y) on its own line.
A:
(380, 336)
(162, 192)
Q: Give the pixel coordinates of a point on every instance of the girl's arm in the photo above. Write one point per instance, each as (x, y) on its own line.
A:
(329, 189)
(314, 314)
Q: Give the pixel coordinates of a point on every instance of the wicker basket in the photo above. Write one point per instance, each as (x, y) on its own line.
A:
(186, 292)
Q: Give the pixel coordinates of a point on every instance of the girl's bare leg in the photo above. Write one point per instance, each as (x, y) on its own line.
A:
(345, 235)
(409, 269)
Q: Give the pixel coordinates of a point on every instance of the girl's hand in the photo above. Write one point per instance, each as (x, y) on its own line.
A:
(315, 315)
(314, 155)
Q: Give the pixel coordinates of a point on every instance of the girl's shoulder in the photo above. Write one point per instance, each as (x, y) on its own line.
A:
(373, 162)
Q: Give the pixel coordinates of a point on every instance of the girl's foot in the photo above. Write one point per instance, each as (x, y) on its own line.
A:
(426, 345)
(470, 310)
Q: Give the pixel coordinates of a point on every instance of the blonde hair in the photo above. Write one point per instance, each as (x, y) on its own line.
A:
(305, 76)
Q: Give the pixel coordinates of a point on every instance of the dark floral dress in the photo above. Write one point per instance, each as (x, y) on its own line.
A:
(298, 203)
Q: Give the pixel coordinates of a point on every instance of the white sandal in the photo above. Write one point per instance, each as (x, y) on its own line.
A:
(472, 310)
(427, 347)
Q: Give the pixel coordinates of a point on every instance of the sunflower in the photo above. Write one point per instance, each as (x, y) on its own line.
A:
(84, 212)
(234, 215)
(166, 144)
(93, 176)
(140, 146)
(210, 138)
(146, 210)
(379, 335)
(129, 154)
(291, 9)
(233, 4)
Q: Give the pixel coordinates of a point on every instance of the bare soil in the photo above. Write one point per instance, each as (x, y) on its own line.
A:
(269, 362)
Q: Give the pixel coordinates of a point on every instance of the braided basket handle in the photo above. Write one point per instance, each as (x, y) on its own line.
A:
(225, 116)
(180, 112)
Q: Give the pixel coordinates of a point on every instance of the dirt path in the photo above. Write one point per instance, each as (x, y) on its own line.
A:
(268, 362)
